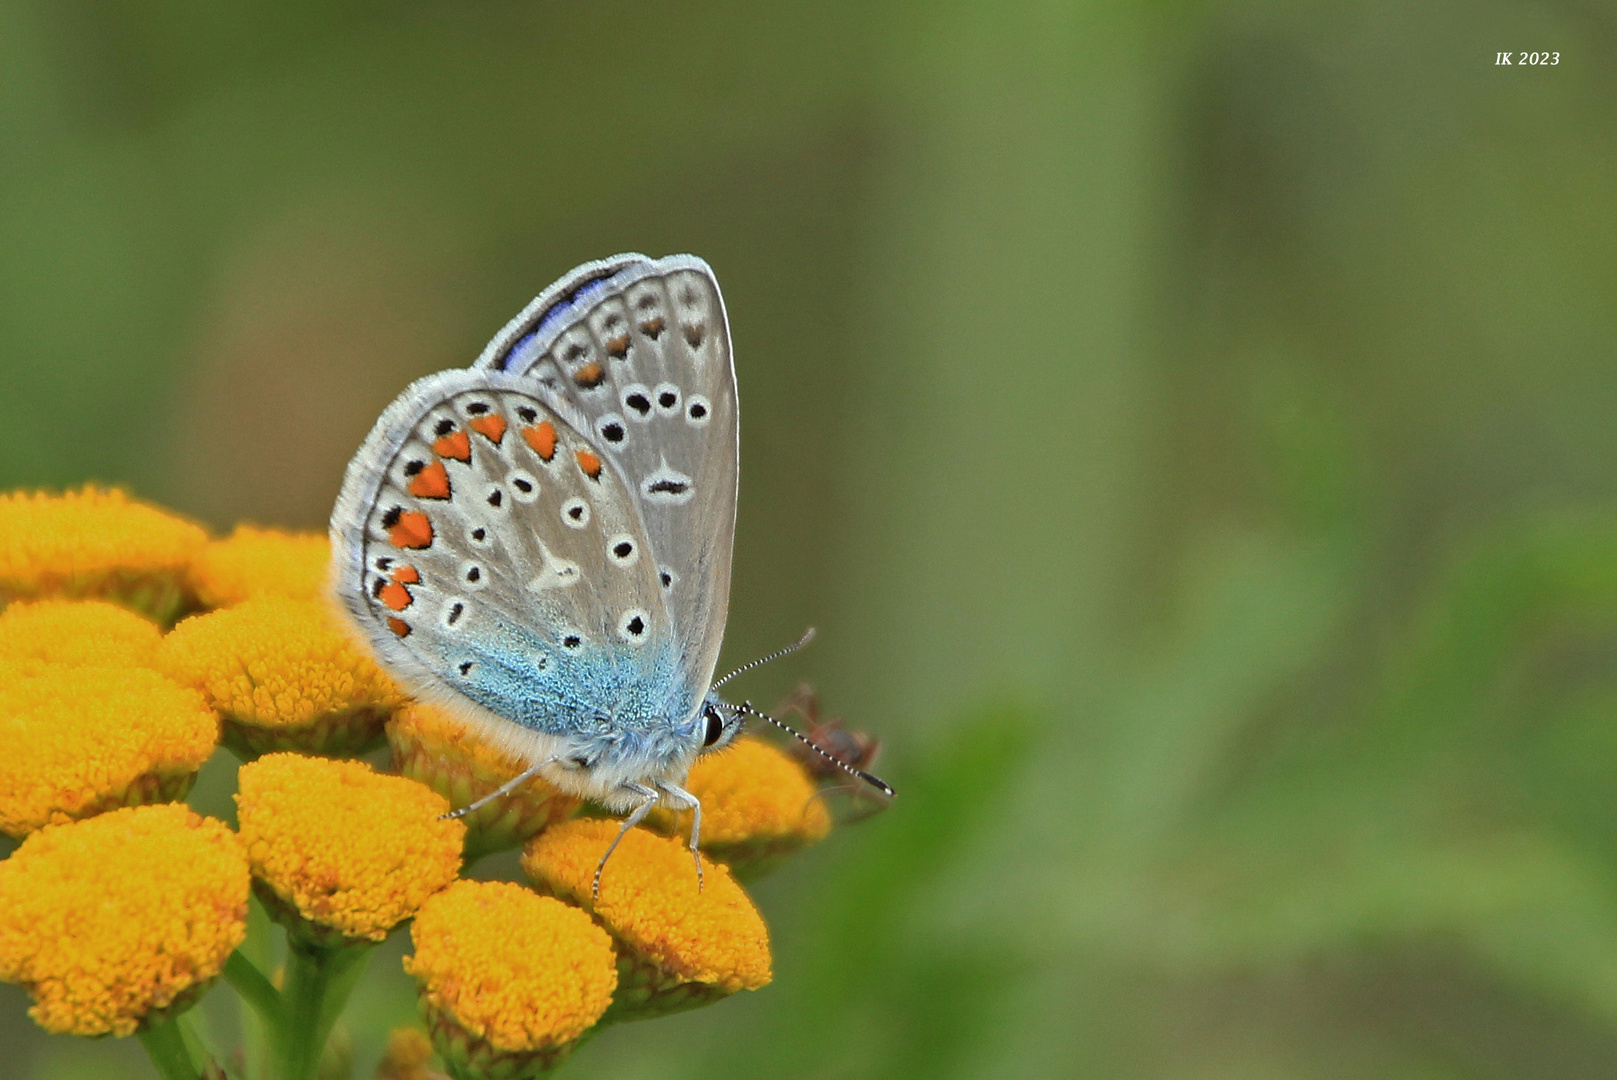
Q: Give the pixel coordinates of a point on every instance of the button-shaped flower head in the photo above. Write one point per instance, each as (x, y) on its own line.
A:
(284, 675)
(680, 946)
(408, 1056)
(113, 923)
(78, 633)
(509, 979)
(75, 742)
(262, 562)
(757, 806)
(340, 852)
(453, 760)
(95, 543)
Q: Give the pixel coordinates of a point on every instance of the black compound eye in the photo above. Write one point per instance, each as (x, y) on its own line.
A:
(715, 726)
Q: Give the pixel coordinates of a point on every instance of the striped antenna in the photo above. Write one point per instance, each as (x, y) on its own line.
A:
(875, 782)
(808, 636)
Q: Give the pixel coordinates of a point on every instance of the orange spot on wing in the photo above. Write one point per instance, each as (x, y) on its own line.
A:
(651, 328)
(395, 596)
(589, 463)
(398, 625)
(412, 530)
(618, 347)
(590, 375)
(491, 427)
(542, 437)
(456, 444)
(406, 575)
(431, 482)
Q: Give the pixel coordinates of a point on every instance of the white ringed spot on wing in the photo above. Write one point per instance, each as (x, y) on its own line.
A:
(609, 426)
(453, 613)
(698, 410)
(473, 575)
(636, 398)
(623, 550)
(667, 485)
(667, 398)
(524, 488)
(633, 626)
(575, 513)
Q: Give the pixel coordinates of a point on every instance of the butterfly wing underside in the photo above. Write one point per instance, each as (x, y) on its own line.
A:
(491, 555)
(641, 349)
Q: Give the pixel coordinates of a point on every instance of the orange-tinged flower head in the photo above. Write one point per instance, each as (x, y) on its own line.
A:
(75, 742)
(284, 675)
(259, 562)
(509, 979)
(408, 1056)
(680, 946)
(78, 633)
(121, 920)
(97, 543)
(432, 747)
(340, 851)
(757, 805)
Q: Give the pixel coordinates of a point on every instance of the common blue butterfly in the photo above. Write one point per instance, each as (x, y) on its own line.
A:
(541, 542)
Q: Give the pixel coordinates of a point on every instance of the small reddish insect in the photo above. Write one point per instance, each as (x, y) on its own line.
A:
(853, 749)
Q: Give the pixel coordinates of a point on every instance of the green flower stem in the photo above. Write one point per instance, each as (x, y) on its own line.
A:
(253, 986)
(318, 981)
(166, 1047)
(345, 972)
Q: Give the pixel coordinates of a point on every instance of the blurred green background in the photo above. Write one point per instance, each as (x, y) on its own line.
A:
(1191, 427)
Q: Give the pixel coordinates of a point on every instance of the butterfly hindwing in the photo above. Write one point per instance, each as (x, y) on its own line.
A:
(491, 552)
(640, 348)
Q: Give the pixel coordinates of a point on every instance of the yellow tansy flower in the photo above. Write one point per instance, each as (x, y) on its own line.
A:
(114, 922)
(509, 979)
(77, 633)
(340, 851)
(95, 543)
(408, 1056)
(259, 562)
(680, 946)
(757, 805)
(284, 675)
(432, 747)
(78, 741)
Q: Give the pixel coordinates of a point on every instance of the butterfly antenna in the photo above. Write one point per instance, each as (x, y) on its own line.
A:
(808, 636)
(874, 781)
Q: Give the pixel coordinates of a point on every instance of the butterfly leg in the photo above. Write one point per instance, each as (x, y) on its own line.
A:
(694, 805)
(504, 789)
(649, 798)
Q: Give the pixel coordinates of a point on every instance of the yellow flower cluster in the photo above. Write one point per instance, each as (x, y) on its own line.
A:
(109, 920)
(99, 544)
(344, 847)
(283, 675)
(758, 804)
(77, 741)
(76, 633)
(683, 943)
(116, 915)
(523, 973)
(408, 1056)
(261, 562)
(430, 746)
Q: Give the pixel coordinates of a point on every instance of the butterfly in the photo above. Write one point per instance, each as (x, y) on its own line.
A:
(541, 542)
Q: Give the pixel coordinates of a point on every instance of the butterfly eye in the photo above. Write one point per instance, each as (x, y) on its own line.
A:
(715, 726)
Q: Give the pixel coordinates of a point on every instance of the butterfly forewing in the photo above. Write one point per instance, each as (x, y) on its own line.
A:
(498, 555)
(643, 356)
